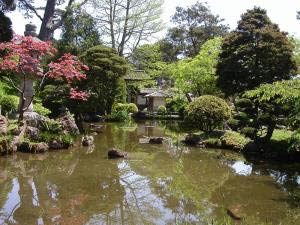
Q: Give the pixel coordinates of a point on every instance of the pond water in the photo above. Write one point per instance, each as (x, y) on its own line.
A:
(157, 184)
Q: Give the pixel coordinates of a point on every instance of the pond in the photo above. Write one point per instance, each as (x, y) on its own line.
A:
(157, 184)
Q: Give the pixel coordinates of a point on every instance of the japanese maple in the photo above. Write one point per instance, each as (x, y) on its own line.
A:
(22, 57)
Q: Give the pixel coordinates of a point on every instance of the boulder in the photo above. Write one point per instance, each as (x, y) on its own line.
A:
(39, 147)
(24, 147)
(192, 139)
(57, 144)
(34, 119)
(68, 124)
(87, 140)
(27, 147)
(115, 153)
(3, 125)
(32, 133)
(235, 212)
(4, 147)
(156, 140)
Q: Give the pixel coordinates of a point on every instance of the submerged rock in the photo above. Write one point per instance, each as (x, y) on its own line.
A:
(3, 125)
(87, 140)
(151, 140)
(235, 212)
(115, 153)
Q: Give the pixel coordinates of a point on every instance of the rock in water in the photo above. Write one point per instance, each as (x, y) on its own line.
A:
(156, 140)
(87, 141)
(3, 125)
(115, 153)
(235, 212)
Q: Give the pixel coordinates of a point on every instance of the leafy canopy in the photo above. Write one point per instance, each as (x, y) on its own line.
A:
(256, 52)
(197, 75)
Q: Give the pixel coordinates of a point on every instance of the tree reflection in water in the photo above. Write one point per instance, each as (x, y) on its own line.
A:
(158, 184)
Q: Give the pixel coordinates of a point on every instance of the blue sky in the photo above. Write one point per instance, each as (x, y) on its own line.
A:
(282, 12)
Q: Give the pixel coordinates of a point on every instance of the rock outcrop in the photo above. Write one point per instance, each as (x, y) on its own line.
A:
(3, 125)
(68, 125)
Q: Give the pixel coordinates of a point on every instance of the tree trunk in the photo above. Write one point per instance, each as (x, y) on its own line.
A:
(188, 97)
(46, 31)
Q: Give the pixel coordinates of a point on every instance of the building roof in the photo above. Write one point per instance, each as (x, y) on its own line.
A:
(137, 75)
(146, 91)
(159, 94)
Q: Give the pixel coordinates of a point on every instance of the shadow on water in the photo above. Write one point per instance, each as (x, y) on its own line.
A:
(158, 184)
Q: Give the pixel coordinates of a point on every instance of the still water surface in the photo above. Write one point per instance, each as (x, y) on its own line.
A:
(157, 184)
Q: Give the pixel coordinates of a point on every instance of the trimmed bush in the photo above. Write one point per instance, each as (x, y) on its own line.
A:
(234, 140)
(9, 103)
(208, 112)
(162, 110)
(132, 108)
(40, 109)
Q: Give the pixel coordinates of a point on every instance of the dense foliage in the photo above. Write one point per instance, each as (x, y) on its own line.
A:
(105, 77)
(208, 112)
(22, 61)
(198, 75)
(262, 109)
(256, 52)
(193, 27)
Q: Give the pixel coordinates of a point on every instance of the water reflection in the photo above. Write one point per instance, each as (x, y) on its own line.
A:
(158, 184)
(241, 168)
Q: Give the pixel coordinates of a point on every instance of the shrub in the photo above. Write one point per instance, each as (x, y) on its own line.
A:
(9, 103)
(51, 126)
(49, 136)
(234, 140)
(234, 124)
(176, 105)
(132, 108)
(120, 116)
(249, 132)
(40, 109)
(162, 110)
(207, 112)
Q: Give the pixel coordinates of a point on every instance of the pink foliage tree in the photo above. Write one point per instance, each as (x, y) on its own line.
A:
(21, 64)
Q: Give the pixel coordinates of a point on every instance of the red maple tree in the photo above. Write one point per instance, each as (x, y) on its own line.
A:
(21, 60)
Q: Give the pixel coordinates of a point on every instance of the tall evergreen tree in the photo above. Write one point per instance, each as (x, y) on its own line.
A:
(256, 52)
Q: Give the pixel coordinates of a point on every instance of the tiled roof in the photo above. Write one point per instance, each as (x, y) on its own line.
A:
(137, 75)
(157, 94)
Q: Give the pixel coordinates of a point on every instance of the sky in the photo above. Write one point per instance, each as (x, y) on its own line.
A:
(282, 12)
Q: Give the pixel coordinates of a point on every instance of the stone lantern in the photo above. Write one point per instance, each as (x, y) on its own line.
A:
(30, 30)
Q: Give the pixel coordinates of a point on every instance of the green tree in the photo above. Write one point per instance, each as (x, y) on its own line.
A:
(79, 31)
(198, 75)
(262, 109)
(256, 52)
(148, 57)
(193, 27)
(104, 77)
